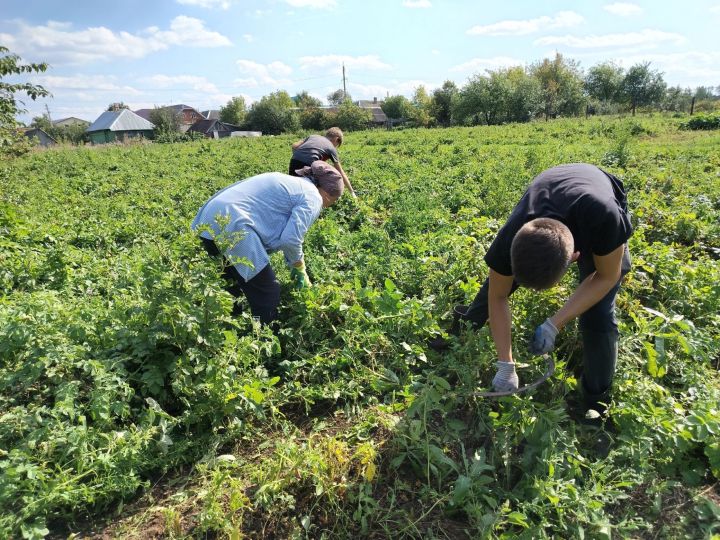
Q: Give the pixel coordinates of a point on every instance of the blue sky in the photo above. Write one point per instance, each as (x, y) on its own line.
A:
(203, 52)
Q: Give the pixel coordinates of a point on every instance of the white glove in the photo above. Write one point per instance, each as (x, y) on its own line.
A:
(505, 379)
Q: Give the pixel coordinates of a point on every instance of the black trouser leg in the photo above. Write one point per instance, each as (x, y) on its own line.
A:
(477, 312)
(262, 291)
(598, 327)
(263, 294)
(295, 165)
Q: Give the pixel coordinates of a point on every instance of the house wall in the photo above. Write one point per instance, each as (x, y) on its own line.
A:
(107, 136)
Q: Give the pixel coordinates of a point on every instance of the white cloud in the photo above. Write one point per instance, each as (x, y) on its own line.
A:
(248, 37)
(417, 4)
(272, 74)
(691, 68)
(644, 38)
(480, 64)
(57, 42)
(715, 9)
(334, 63)
(200, 84)
(316, 4)
(435, 52)
(623, 9)
(208, 4)
(96, 83)
(191, 32)
(562, 19)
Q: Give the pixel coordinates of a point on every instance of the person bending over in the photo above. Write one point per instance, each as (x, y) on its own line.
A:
(316, 147)
(569, 213)
(260, 215)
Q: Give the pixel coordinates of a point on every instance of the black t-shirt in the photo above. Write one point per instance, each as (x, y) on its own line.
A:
(588, 200)
(315, 147)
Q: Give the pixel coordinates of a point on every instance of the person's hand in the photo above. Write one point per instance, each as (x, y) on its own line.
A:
(354, 195)
(299, 276)
(505, 380)
(544, 338)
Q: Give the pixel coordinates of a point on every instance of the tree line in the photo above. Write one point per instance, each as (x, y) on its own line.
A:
(550, 88)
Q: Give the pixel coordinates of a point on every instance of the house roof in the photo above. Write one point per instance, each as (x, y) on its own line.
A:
(123, 120)
(144, 113)
(377, 114)
(70, 119)
(206, 126)
(212, 114)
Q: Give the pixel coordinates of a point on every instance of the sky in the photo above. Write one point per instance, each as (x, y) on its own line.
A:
(203, 52)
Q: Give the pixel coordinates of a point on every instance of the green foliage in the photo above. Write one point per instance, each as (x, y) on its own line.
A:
(642, 86)
(234, 111)
(305, 101)
(603, 82)
(167, 122)
(12, 141)
(441, 103)
(350, 117)
(338, 97)
(316, 119)
(273, 115)
(121, 366)
(561, 86)
(396, 107)
(703, 121)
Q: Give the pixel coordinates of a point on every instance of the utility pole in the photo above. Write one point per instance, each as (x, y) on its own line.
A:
(47, 113)
(344, 87)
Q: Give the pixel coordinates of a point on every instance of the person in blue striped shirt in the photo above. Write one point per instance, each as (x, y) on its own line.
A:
(252, 218)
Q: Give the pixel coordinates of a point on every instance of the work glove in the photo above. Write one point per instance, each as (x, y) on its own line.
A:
(505, 380)
(299, 276)
(544, 338)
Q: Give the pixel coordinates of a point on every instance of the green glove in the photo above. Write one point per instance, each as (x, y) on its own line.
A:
(299, 276)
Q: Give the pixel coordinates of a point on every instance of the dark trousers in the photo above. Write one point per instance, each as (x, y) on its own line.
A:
(262, 291)
(294, 165)
(599, 319)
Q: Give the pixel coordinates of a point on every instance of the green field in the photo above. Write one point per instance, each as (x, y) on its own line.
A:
(133, 405)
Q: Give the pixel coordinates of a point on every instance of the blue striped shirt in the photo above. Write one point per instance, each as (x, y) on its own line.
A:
(260, 215)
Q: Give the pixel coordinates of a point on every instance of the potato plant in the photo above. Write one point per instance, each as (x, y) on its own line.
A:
(134, 405)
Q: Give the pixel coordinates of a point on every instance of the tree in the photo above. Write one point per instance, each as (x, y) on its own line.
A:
(314, 118)
(523, 95)
(677, 99)
(441, 103)
(561, 85)
(166, 120)
(482, 100)
(273, 114)
(350, 117)
(305, 101)
(234, 111)
(42, 122)
(420, 110)
(396, 107)
(604, 81)
(642, 86)
(12, 142)
(117, 106)
(337, 97)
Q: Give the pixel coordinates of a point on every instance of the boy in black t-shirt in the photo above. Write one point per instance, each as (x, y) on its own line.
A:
(317, 147)
(569, 213)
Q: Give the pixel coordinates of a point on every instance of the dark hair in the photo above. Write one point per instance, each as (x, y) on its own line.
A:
(541, 253)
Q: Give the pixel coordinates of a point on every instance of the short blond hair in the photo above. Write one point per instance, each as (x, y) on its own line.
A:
(334, 133)
(541, 252)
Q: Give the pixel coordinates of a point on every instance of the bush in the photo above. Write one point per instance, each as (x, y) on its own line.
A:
(703, 121)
